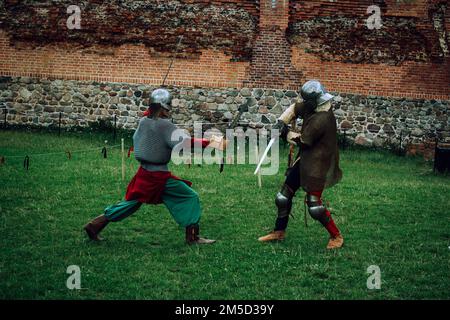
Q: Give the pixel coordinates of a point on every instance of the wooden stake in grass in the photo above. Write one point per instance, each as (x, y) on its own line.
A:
(115, 128)
(123, 159)
(59, 124)
(26, 162)
(189, 162)
(257, 161)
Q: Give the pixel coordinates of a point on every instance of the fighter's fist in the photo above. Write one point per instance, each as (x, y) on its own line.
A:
(280, 125)
(218, 142)
(293, 137)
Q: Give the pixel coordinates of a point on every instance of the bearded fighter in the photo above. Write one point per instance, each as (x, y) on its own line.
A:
(317, 164)
(153, 182)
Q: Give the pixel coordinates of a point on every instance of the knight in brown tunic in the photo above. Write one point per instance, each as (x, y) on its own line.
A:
(317, 164)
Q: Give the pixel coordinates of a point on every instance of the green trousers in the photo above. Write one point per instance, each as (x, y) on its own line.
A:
(181, 200)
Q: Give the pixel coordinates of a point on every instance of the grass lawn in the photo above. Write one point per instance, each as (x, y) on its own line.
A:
(392, 211)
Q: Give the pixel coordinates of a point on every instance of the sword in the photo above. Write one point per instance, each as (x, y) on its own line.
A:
(264, 155)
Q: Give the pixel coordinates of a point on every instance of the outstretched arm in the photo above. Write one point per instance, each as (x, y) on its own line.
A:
(203, 142)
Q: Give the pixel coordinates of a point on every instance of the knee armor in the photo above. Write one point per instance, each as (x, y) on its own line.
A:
(315, 207)
(283, 201)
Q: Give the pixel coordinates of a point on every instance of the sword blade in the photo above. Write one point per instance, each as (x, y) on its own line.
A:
(264, 155)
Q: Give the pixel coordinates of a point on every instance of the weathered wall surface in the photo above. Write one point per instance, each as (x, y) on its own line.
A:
(338, 31)
(271, 62)
(369, 120)
(130, 41)
(390, 80)
(229, 26)
(235, 43)
(408, 55)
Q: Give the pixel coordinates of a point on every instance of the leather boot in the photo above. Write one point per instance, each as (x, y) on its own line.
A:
(94, 227)
(192, 237)
(336, 242)
(273, 236)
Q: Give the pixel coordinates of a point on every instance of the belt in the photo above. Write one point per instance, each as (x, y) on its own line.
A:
(153, 163)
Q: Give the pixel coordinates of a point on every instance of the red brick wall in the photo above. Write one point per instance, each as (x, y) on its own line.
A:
(411, 79)
(127, 63)
(274, 13)
(306, 9)
(428, 79)
(416, 8)
(269, 68)
(226, 25)
(271, 62)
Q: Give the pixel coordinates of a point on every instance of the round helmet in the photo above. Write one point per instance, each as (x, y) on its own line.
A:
(162, 97)
(314, 90)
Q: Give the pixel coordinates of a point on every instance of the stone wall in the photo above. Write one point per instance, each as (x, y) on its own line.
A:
(367, 120)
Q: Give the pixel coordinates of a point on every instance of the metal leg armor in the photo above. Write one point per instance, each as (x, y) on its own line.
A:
(283, 201)
(316, 209)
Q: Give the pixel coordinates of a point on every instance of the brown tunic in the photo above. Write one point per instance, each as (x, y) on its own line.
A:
(319, 153)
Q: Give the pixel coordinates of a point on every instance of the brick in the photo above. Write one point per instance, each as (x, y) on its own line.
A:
(260, 57)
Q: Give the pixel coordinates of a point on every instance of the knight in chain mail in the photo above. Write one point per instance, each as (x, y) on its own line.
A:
(154, 183)
(317, 164)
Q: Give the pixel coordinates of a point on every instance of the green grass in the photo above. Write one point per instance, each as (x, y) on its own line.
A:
(393, 212)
